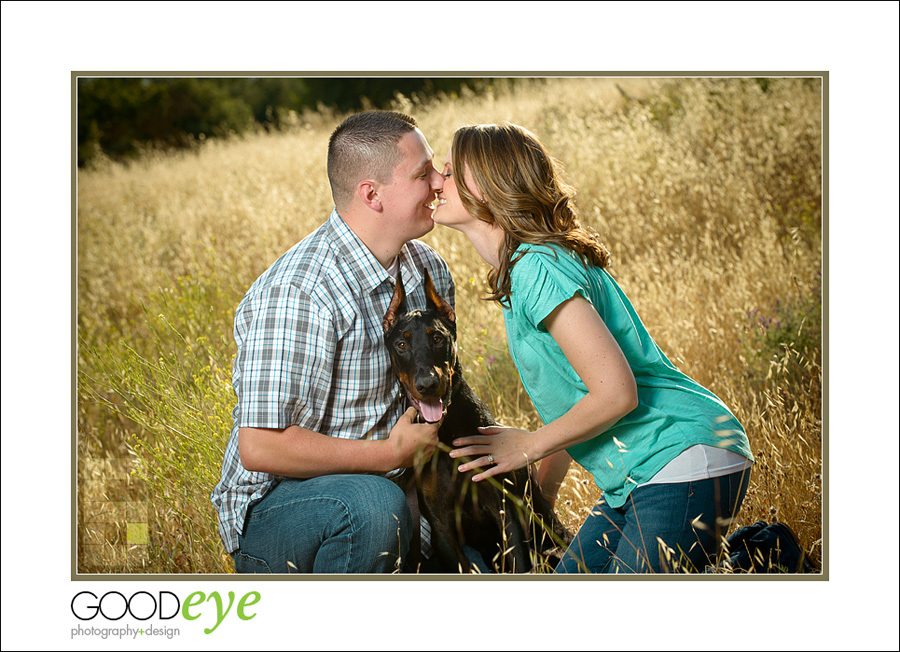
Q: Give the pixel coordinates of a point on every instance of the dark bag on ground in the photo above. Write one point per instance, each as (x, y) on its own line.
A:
(767, 548)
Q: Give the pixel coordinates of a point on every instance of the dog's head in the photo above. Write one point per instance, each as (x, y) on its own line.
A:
(422, 346)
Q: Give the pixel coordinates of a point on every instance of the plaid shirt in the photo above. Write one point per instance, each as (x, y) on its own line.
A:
(310, 352)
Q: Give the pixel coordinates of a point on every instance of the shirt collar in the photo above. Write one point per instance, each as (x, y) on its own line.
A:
(363, 264)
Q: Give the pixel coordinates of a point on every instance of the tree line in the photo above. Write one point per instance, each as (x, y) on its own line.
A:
(119, 115)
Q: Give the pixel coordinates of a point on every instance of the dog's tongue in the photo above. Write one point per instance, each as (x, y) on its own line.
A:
(432, 411)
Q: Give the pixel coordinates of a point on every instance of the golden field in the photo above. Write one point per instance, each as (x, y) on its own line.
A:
(708, 193)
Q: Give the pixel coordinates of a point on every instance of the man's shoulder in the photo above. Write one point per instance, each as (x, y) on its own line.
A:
(423, 255)
(307, 278)
(304, 266)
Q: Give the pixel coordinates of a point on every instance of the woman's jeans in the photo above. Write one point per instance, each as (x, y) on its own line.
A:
(330, 524)
(661, 528)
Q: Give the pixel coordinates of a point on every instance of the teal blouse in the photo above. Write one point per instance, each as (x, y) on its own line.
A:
(674, 411)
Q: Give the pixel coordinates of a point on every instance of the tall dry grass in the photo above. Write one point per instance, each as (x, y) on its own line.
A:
(708, 192)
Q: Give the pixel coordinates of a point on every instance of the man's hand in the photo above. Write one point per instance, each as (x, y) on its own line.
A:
(413, 443)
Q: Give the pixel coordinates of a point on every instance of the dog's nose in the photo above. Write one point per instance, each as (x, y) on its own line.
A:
(427, 383)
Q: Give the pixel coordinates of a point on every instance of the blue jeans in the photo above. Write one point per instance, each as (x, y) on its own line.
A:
(690, 518)
(329, 524)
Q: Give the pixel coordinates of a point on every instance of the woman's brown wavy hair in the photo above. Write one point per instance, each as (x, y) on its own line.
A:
(522, 193)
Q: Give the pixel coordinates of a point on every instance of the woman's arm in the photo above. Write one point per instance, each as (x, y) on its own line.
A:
(612, 393)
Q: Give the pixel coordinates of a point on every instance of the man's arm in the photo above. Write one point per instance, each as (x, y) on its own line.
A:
(300, 453)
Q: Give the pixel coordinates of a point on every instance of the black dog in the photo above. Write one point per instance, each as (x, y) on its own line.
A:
(506, 519)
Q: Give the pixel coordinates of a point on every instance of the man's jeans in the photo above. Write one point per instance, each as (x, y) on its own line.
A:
(331, 524)
(689, 517)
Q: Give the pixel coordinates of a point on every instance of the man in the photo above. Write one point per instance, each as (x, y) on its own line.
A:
(319, 426)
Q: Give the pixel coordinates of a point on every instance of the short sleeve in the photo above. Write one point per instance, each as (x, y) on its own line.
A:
(541, 281)
(285, 360)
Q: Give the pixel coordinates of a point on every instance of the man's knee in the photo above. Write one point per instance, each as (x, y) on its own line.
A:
(375, 537)
(381, 506)
(345, 523)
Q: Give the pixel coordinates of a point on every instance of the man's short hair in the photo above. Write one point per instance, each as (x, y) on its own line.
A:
(365, 145)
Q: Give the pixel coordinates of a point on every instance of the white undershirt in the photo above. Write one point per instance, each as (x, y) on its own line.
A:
(394, 269)
(700, 462)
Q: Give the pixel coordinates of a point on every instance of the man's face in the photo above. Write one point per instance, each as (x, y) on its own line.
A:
(407, 199)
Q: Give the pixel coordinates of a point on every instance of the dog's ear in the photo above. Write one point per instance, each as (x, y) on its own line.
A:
(397, 306)
(436, 301)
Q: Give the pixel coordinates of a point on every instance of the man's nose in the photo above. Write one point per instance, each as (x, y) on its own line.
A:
(437, 179)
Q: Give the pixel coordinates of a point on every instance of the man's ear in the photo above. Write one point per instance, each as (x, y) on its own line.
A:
(368, 192)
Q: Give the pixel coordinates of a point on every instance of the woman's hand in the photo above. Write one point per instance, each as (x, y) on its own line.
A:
(498, 449)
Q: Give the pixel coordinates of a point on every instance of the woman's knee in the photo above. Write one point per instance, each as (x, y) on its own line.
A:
(594, 542)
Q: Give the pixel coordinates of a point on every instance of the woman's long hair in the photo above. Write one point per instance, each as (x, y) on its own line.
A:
(522, 193)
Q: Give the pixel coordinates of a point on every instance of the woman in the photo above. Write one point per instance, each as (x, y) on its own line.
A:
(671, 459)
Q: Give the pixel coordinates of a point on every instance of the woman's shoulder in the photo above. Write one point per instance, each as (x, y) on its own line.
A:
(531, 255)
(527, 248)
(545, 275)
(536, 259)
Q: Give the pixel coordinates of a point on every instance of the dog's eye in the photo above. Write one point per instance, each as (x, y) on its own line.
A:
(400, 345)
(437, 339)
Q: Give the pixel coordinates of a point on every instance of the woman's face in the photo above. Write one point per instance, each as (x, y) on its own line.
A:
(450, 210)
